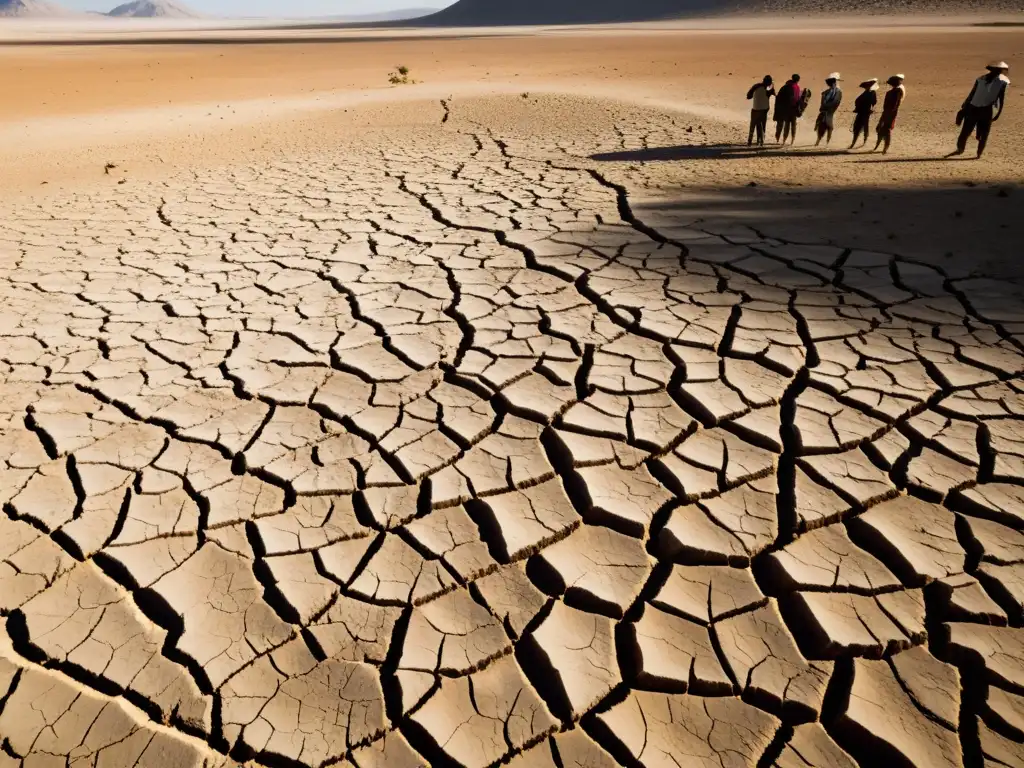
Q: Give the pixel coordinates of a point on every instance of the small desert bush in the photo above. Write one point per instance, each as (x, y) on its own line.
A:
(400, 76)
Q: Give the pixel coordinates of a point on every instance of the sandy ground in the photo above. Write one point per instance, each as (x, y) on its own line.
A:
(71, 110)
(518, 415)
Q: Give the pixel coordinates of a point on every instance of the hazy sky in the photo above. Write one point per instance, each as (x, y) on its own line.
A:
(277, 7)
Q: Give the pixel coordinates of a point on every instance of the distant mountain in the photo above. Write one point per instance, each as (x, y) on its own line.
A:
(524, 12)
(32, 9)
(400, 15)
(153, 9)
(488, 12)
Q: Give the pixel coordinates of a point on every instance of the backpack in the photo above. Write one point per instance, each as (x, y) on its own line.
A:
(805, 99)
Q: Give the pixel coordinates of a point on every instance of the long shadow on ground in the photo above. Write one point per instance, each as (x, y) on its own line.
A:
(961, 229)
(743, 152)
(711, 152)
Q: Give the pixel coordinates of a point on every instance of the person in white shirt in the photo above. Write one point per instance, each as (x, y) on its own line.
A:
(983, 107)
(761, 95)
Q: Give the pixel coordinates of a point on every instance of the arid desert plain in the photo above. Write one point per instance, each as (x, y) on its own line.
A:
(517, 414)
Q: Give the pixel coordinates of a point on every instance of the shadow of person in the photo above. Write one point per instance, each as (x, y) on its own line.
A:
(881, 159)
(709, 152)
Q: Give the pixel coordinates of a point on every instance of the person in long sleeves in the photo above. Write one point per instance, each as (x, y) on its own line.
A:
(831, 98)
(787, 109)
(761, 96)
(890, 109)
(983, 107)
(863, 108)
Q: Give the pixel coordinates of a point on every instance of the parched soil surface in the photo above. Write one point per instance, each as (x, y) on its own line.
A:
(513, 430)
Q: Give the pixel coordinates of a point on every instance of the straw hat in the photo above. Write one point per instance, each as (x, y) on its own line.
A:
(895, 80)
(872, 83)
(998, 65)
(833, 76)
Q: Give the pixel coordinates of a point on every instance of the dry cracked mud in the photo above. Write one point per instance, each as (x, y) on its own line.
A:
(447, 453)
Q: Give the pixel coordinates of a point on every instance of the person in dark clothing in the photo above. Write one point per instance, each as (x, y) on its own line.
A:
(863, 108)
(983, 107)
(787, 110)
(761, 94)
(890, 109)
(831, 98)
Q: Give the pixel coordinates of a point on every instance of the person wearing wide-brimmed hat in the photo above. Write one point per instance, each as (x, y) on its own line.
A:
(890, 109)
(761, 95)
(983, 107)
(831, 98)
(863, 108)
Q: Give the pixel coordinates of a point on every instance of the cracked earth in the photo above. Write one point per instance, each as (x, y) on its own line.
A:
(446, 453)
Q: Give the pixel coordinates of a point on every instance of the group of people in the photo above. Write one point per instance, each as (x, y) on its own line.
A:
(982, 107)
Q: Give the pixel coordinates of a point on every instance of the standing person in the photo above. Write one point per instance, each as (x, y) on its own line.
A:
(983, 107)
(890, 109)
(831, 98)
(761, 94)
(863, 108)
(787, 109)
